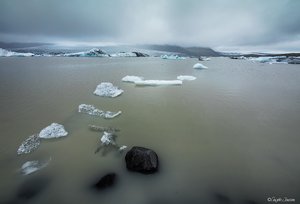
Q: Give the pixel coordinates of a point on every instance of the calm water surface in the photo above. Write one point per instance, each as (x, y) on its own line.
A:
(230, 136)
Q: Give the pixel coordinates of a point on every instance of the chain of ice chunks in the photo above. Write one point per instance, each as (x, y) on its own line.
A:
(92, 110)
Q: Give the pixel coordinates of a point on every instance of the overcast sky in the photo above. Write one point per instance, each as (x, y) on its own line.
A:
(221, 24)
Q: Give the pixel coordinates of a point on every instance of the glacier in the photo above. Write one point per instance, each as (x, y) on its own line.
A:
(7, 53)
(132, 79)
(107, 89)
(92, 110)
(157, 82)
(186, 77)
(199, 66)
(172, 57)
(29, 145)
(54, 130)
(30, 167)
(94, 52)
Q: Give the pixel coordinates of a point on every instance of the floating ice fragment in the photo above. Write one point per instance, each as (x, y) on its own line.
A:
(186, 77)
(108, 139)
(102, 129)
(122, 148)
(107, 89)
(172, 57)
(92, 110)
(6, 53)
(54, 130)
(157, 82)
(30, 167)
(29, 145)
(204, 58)
(199, 66)
(132, 78)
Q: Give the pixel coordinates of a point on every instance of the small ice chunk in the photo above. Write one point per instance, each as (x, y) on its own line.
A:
(102, 129)
(199, 66)
(132, 79)
(54, 130)
(108, 139)
(29, 145)
(107, 89)
(186, 77)
(157, 82)
(92, 110)
(30, 167)
(122, 148)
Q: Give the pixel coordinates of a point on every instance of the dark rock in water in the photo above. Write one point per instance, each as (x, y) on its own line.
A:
(142, 160)
(106, 181)
(139, 54)
(32, 188)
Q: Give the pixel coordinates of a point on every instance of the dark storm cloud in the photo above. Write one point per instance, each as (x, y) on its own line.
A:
(216, 23)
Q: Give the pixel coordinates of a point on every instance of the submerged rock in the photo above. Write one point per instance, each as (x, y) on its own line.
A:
(91, 110)
(54, 130)
(199, 66)
(157, 82)
(142, 160)
(106, 181)
(30, 167)
(29, 145)
(103, 129)
(107, 89)
(132, 79)
(186, 77)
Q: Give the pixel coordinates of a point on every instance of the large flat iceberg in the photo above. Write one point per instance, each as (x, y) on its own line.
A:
(107, 89)
(54, 130)
(29, 145)
(186, 77)
(7, 53)
(92, 110)
(30, 167)
(199, 66)
(157, 82)
(132, 79)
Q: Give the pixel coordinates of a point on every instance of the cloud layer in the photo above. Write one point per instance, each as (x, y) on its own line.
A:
(214, 23)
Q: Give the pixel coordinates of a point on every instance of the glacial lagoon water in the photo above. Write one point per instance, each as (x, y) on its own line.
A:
(230, 136)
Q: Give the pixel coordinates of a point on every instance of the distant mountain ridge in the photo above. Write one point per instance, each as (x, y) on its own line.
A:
(187, 51)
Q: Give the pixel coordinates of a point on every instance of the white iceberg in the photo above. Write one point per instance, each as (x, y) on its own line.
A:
(132, 79)
(92, 110)
(186, 77)
(199, 66)
(172, 57)
(204, 59)
(157, 82)
(95, 52)
(107, 89)
(54, 130)
(108, 139)
(29, 145)
(123, 54)
(30, 167)
(6, 53)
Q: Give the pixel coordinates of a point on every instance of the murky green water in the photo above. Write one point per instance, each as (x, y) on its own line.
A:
(230, 136)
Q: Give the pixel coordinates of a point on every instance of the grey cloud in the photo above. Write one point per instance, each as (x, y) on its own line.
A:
(189, 22)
